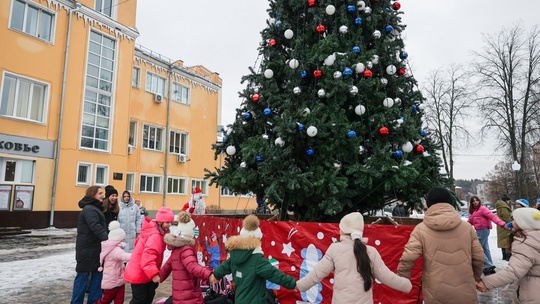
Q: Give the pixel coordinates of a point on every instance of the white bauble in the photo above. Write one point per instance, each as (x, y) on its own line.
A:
(330, 60)
(369, 65)
(391, 69)
(377, 34)
(330, 10)
(268, 73)
(337, 74)
(306, 112)
(279, 142)
(359, 68)
(360, 110)
(407, 147)
(354, 90)
(384, 81)
(265, 136)
(367, 10)
(289, 34)
(297, 90)
(256, 89)
(375, 59)
(361, 5)
(311, 131)
(293, 63)
(243, 165)
(343, 29)
(397, 100)
(231, 150)
(321, 93)
(388, 102)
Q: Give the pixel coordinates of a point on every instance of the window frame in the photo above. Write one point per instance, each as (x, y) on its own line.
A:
(161, 144)
(200, 183)
(172, 143)
(105, 175)
(178, 96)
(114, 5)
(41, 9)
(18, 174)
(152, 176)
(136, 83)
(149, 85)
(180, 180)
(43, 103)
(88, 172)
(131, 188)
(135, 132)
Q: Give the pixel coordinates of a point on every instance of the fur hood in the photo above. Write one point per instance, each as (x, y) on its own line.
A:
(178, 241)
(242, 243)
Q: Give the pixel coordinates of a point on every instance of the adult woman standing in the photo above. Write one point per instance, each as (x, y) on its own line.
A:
(91, 231)
(129, 218)
(110, 205)
(480, 218)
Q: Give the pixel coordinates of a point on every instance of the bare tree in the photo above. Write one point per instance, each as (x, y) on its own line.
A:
(500, 181)
(448, 95)
(509, 74)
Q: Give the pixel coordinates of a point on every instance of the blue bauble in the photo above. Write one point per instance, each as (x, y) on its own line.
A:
(258, 158)
(300, 127)
(247, 116)
(278, 23)
(303, 74)
(358, 21)
(403, 55)
(423, 132)
(414, 109)
(347, 72)
(388, 29)
(398, 154)
(310, 152)
(267, 112)
(351, 9)
(356, 49)
(351, 134)
(225, 138)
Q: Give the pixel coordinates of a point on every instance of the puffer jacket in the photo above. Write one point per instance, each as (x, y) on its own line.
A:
(250, 270)
(505, 214)
(91, 231)
(452, 257)
(481, 218)
(523, 270)
(186, 271)
(348, 283)
(147, 256)
(112, 260)
(129, 218)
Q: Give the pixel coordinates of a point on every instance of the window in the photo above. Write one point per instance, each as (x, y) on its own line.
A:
(132, 140)
(180, 93)
(23, 98)
(155, 84)
(106, 7)
(179, 142)
(200, 183)
(135, 78)
(96, 121)
(17, 171)
(176, 185)
(33, 20)
(84, 174)
(226, 192)
(152, 138)
(130, 182)
(102, 175)
(150, 183)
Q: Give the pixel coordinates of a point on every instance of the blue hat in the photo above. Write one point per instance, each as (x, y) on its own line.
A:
(523, 202)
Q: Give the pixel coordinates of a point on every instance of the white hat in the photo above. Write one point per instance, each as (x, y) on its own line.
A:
(527, 218)
(250, 227)
(353, 224)
(116, 233)
(186, 226)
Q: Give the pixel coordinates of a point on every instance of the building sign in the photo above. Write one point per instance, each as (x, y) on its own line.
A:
(26, 146)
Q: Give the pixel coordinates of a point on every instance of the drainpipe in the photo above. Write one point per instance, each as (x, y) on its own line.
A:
(61, 117)
(167, 136)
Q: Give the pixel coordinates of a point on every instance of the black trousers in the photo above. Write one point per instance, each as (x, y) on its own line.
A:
(143, 293)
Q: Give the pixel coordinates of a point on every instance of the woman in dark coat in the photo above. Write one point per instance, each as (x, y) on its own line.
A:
(91, 231)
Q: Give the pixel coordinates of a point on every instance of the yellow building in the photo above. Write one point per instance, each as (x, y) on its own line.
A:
(81, 104)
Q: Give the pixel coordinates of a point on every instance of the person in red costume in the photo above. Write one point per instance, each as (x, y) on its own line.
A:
(196, 204)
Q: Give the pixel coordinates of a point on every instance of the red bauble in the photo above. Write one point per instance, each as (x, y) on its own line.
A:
(401, 72)
(255, 97)
(368, 73)
(383, 131)
(396, 6)
(419, 149)
(320, 28)
(317, 73)
(311, 3)
(272, 42)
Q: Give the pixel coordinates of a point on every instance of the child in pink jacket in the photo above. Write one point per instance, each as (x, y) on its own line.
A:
(112, 260)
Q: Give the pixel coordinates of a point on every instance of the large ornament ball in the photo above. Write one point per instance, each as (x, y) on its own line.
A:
(388, 29)
(388, 102)
(267, 112)
(337, 74)
(377, 34)
(278, 23)
(255, 97)
(358, 21)
(347, 71)
(268, 73)
(317, 74)
(402, 72)
(422, 132)
(368, 74)
(360, 110)
(300, 127)
(396, 6)
(351, 134)
(310, 152)
(311, 131)
(306, 112)
(398, 154)
(375, 59)
(289, 34)
(356, 49)
(258, 158)
(279, 142)
(359, 68)
(231, 150)
(419, 149)
(303, 74)
(293, 64)
(351, 8)
(243, 165)
(397, 100)
(330, 10)
(353, 90)
(321, 93)
(384, 81)
(361, 5)
(330, 60)
(403, 55)
(272, 42)
(343, 29)
(383, 131)
(407, 147)
(367, 10)
(391, 69)
(311, 3)
(247, 116)
(414, 109)
(297, 90)
(320, 28)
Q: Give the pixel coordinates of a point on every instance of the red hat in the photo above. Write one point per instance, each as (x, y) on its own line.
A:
(164, 214)
(197, 190)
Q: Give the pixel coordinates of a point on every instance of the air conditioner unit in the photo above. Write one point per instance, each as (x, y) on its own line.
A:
(158, 98)
(130, 150)
(182, 158)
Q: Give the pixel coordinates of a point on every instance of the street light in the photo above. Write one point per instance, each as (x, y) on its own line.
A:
(516, 167)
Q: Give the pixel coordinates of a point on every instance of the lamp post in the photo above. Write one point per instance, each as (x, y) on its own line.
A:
(516, 167)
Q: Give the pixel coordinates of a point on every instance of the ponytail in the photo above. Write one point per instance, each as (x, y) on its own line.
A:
(363, 263)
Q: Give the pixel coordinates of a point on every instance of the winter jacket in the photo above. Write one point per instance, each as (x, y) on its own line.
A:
(110, 215)
(91, 231)
(147, 256)
(481, 218)
(250, 270)
(129, 218)
(348, 283)
(523, 270)
(452, 257)
(186, 271)
(112, 260)
(505, 214)
(400, 210)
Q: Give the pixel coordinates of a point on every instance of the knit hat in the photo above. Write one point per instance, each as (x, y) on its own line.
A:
(186, 226)
(116, 233)
(439, 195)
(109, 190)
(523, 202)
(250, 227)
(505, 197)
(527, 218)
(197, 190)
(353, 224)
(164, 214)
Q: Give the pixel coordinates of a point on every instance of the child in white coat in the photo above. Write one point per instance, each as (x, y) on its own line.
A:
(112, 260)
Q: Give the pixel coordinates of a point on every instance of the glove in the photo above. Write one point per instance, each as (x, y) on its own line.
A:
(510, 226)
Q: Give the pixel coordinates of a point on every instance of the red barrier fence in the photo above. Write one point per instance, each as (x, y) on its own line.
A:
(293, 245)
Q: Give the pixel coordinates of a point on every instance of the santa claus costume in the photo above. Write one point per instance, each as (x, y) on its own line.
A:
(196, 204)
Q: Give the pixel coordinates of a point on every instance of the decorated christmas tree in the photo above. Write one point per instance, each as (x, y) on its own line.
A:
(331, 120)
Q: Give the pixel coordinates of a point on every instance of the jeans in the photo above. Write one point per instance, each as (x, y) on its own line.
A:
(79, 287)
(483, 236)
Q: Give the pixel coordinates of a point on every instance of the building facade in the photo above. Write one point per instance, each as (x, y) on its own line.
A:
(81, 104)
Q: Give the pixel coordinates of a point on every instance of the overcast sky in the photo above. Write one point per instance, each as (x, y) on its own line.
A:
(224, 37)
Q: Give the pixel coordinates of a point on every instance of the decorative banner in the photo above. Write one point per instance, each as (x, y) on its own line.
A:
(290, 246)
